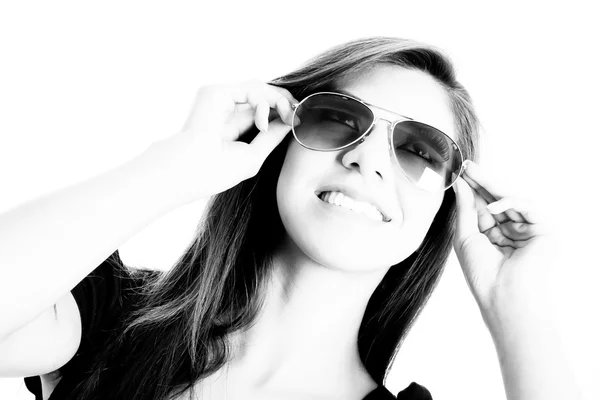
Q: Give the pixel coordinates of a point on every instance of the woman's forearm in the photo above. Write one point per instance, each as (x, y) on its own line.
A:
(533, 359)
(49, 244)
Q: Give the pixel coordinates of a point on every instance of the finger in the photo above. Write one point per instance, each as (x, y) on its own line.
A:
(244, 116)
(283, 110)
(264, 143)
(520, 230)
(261, 117)
(485, 219)
(479, 176)
(520, 205)
(489, 190)
(255, 93)
(497, 238)
(254, 90)
(488, 198)
(285, 93)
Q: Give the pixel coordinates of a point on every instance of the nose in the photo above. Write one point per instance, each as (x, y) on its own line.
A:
(370, 156)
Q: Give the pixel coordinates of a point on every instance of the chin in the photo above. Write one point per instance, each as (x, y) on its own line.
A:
(338, 246)
(339, 238)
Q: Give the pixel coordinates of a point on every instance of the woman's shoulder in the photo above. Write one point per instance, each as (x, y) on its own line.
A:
(103, 298)
(104, 294)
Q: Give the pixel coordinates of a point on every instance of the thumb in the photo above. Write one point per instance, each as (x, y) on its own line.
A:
(466, 221)
(264, 143)
(473, 249)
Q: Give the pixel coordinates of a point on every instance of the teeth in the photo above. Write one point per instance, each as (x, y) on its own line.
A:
(339, 199)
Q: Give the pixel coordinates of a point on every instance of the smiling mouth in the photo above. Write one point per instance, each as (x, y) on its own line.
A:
(341, 200)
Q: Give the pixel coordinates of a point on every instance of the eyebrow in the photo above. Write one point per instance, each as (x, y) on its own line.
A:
(347, 93)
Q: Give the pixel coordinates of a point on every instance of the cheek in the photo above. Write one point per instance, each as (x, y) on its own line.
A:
(419, 209)
(302, 169)
(298, 172)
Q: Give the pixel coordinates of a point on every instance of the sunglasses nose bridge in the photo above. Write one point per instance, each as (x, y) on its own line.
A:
(383, 119)
(370, 130)
(375, 120)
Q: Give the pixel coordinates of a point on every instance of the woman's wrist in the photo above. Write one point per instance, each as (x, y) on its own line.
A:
(534, 363)
(521, 307)
(530, 349)
(169, 160)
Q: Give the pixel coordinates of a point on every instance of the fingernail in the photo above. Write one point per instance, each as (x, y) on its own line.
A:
(493, 207)
(264, 126)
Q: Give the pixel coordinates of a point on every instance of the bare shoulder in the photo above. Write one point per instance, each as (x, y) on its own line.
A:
(45, 344)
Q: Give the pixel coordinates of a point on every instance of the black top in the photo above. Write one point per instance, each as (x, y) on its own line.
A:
(100, 296)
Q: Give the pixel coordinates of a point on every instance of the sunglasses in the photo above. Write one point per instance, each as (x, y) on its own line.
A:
(328, 121)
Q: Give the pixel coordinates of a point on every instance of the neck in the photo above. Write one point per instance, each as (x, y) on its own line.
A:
(308, 326)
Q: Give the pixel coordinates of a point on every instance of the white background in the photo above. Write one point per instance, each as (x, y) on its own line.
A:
(84, 88)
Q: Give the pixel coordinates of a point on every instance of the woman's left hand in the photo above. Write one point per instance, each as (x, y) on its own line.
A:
(504, 250)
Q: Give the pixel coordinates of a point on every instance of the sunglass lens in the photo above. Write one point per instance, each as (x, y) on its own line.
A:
(329, 121)
(427, 156)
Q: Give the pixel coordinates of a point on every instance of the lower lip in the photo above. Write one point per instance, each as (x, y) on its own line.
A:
(345, 213)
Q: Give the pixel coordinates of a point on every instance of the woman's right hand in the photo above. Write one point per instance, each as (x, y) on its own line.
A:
(211, 158)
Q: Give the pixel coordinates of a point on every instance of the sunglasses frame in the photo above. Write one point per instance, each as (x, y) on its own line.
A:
(392, 126)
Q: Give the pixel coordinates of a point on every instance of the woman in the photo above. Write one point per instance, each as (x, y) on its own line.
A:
(316, 254)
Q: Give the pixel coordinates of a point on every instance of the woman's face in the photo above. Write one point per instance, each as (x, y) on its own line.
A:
(337, 237)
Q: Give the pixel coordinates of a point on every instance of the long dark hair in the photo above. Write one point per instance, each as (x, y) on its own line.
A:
(174, 326)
